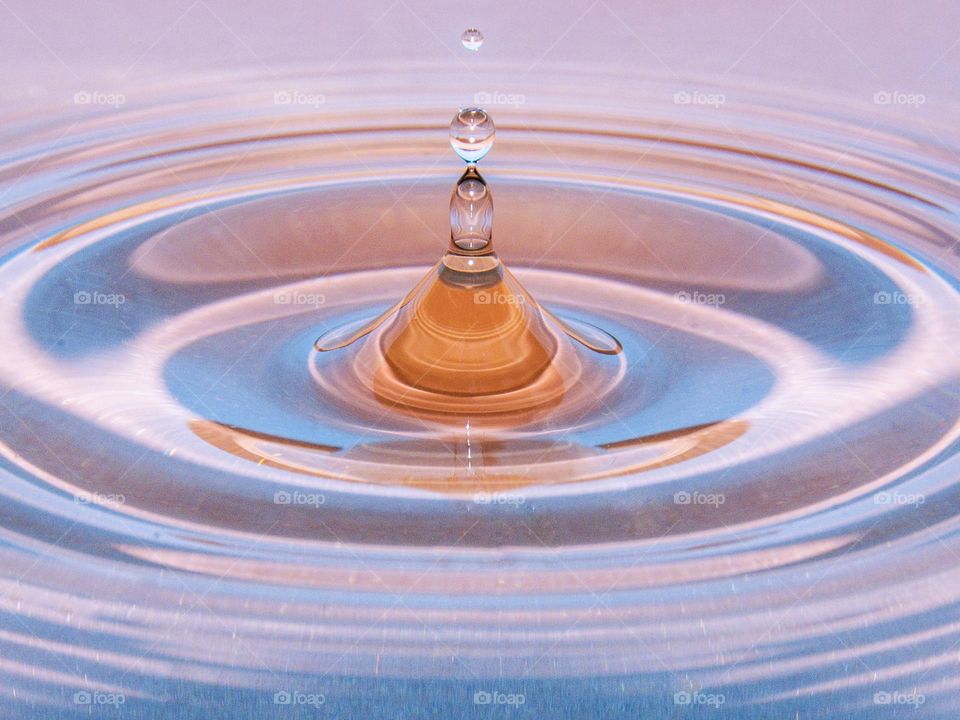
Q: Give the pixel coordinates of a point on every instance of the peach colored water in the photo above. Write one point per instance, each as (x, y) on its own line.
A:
(780, 424)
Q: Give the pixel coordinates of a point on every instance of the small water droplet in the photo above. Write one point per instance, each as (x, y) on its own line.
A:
(471, 134)
(472, 39)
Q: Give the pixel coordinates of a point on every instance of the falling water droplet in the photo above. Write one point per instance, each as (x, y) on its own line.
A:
(471, 134)
(471, 212)
(472, 39)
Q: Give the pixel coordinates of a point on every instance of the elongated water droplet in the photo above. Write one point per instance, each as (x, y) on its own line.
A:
(471, 212)
(471, 133)
(472, 39)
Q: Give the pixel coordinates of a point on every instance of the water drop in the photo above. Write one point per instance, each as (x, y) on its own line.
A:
(471, 133)
(472, 39)
(471, 212)
(469, 328)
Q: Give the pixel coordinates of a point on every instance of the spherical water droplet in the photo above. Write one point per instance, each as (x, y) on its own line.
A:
(472, 39)
(471, 134)
(471, 212)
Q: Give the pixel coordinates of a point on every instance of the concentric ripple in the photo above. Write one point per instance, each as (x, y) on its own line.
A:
(754, 503)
